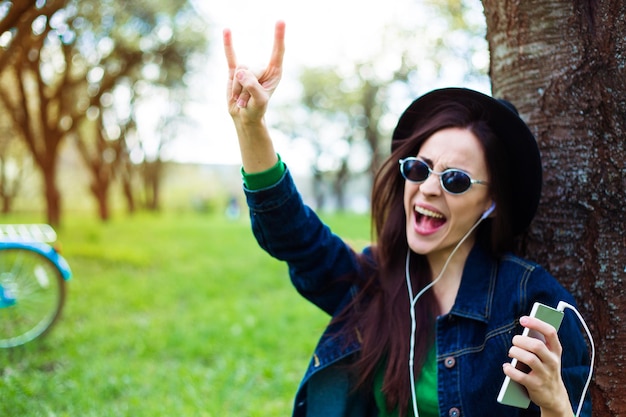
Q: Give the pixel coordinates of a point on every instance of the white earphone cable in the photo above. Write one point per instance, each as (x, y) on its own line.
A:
(413, 302)
(561, 307)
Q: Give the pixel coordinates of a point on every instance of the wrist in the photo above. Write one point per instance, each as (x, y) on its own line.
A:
(545, 413)
(558, 409)
(250, 128)
(255, 144)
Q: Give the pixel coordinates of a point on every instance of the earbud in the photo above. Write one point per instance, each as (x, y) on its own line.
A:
(489, 210)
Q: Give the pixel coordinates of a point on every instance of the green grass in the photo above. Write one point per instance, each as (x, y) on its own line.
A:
(169, 315)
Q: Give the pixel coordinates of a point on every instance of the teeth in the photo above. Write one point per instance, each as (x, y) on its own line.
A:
(428, 213)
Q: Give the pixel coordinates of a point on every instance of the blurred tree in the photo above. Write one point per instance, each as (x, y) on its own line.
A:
(75, 60)
(343, 114)
(345, 108)
(562, 64)
(171, 121)
(331, 115)
(33, 103)
(14, 165)
(101, 158)
(149, 46)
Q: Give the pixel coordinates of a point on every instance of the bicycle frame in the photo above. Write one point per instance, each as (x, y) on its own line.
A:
(45, 250)
(7, 299)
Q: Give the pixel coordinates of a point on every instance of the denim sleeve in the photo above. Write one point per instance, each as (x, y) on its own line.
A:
(321, 265)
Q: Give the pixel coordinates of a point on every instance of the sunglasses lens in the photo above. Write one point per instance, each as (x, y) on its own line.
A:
(456, 182)
(415, 170)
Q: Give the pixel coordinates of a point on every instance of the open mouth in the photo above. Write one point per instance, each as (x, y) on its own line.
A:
(428, 221)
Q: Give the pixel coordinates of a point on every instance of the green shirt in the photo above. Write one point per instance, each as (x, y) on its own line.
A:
(425, 387)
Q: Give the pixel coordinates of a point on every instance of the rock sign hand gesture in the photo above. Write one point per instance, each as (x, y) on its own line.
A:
(248, 95)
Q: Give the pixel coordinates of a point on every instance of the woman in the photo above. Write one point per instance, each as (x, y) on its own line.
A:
(438, 288)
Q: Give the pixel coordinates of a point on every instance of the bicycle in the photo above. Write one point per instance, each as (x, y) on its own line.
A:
(33, 276)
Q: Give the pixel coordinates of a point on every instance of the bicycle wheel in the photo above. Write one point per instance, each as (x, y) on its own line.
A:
(34, 293)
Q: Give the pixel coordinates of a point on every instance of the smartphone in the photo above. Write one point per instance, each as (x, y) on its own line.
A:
(511, 392)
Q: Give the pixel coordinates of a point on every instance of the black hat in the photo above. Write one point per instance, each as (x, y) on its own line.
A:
(523, 156)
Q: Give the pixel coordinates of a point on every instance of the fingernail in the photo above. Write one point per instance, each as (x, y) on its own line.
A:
(523, 320)
(239, 75)
(241, 103)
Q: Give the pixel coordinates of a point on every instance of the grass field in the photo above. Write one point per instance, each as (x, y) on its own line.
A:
(169, 315)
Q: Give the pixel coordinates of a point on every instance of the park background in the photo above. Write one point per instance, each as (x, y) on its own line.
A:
(114, 130)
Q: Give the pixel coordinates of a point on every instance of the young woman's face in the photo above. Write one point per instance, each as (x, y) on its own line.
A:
(436, 219)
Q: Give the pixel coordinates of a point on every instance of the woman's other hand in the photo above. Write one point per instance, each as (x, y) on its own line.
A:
(544, 383)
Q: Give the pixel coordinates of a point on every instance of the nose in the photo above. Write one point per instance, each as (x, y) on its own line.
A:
(431, 186)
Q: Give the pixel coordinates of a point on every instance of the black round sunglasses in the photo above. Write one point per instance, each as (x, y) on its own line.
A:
(452, 180)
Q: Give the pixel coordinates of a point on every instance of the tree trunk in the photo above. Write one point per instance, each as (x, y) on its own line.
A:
(100, 168)
(100, 190)
(6, 204)
(125, 170)
(339, 185)
(53, 197)
(319, 194)
(6, 191)
(152, 183)
(129, 196)
(562, 64)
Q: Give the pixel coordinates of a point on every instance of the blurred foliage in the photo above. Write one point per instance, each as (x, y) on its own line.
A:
(348, 111)
(64, 63)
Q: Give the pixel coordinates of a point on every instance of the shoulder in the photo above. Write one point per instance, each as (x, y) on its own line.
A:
(530, 280)
(512, 263)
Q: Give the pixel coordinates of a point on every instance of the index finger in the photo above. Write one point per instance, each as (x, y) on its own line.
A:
(547, 330)
(229, 51)
(278, 51)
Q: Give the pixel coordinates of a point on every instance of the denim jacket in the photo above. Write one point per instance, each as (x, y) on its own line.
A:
(472, 340)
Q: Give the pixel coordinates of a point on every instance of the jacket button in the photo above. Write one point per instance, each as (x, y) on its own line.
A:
(454, 412)
(449, 362)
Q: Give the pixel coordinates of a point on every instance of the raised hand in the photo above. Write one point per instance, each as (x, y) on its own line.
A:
(248, 93)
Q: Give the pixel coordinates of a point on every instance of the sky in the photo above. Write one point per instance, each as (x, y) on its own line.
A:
(323, 32)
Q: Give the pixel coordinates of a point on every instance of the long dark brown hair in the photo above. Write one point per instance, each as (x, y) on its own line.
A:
(383, 318)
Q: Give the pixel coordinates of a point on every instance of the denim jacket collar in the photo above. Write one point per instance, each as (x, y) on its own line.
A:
(475, 295)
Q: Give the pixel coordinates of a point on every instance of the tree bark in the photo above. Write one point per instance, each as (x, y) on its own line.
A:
(562, 63)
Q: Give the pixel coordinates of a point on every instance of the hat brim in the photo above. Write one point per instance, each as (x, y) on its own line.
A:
(523, 157)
